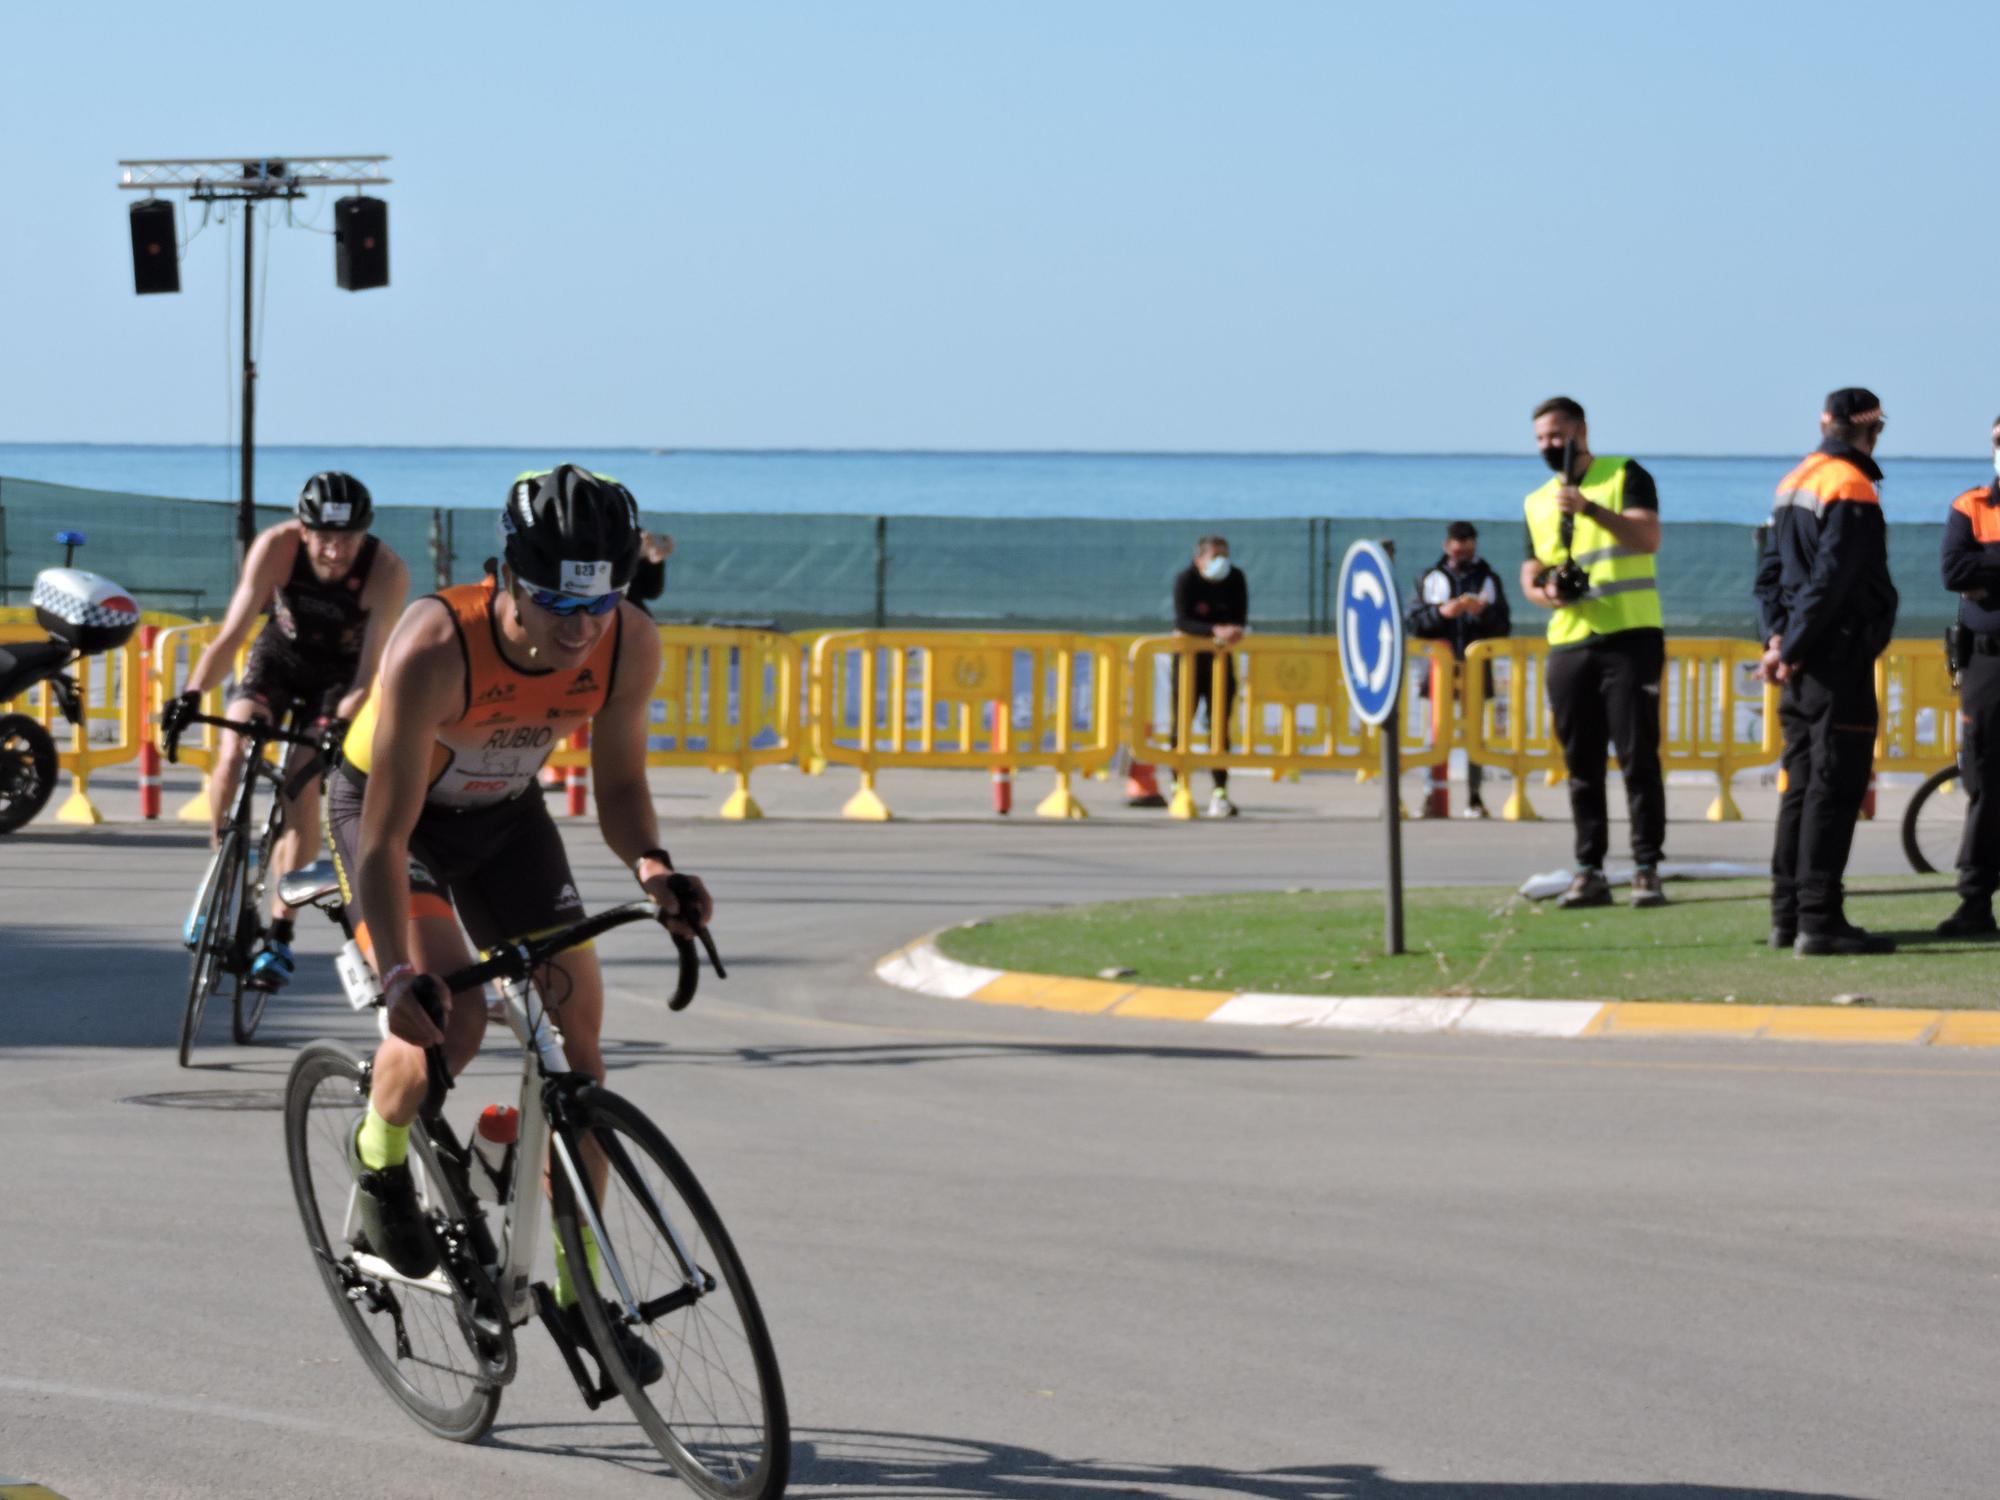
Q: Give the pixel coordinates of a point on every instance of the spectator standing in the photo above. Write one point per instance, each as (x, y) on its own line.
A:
(649, 579)
(1211, 601)
(1459, 599)
(1827, 610)
(1592, 532)
(1971, 564)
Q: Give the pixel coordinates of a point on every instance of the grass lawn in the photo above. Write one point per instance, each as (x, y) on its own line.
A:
(1708, 944)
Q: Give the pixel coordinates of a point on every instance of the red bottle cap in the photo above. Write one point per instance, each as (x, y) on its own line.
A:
(500, 1124)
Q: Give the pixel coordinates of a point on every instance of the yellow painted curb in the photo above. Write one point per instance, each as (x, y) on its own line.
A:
(1662, 1018)
(27, 1492)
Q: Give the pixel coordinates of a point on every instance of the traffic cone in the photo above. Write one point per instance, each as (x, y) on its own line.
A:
(1003, 790)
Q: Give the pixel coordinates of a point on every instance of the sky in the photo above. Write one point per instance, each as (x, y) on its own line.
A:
(1043, 224)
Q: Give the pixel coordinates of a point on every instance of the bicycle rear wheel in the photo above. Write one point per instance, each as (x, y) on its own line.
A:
(1933, 823)
(217, 935)
(413, 1337)
(718, 1413)
(247, 1008)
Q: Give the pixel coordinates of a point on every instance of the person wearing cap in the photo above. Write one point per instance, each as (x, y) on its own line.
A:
(1459, 599)
(1827, 609)
(1971, 566)
(1592, 532)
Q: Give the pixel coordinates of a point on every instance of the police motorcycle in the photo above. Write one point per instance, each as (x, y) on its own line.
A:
(83, 614)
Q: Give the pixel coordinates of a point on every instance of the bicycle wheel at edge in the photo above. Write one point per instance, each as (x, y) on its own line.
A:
(218, 931)
(1918, 830)
(724, 1427)
(246, 1008)
(439, 1384)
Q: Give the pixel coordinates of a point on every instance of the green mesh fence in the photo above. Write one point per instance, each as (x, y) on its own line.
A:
(798, 572)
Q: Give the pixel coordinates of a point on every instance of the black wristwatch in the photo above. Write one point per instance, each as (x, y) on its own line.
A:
(659, 854)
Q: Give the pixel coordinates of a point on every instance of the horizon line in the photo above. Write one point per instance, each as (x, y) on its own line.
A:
(796, 452)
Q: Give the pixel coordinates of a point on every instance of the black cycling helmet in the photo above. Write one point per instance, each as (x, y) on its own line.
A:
(335, 502)
(571, 530)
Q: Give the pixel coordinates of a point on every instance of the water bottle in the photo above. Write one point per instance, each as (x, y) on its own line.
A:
(493, 1143)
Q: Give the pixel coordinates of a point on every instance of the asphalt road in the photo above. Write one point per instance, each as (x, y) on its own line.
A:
(1013, 1253)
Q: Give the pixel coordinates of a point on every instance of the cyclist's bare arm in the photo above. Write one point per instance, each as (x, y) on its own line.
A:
(267, 565)
(388, 587)
(618, 763)
(422, 688)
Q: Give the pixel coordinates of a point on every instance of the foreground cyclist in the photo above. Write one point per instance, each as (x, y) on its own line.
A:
(333, 592)
(437, 816)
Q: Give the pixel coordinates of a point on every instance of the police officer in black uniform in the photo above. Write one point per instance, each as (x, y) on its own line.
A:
(1971, 564)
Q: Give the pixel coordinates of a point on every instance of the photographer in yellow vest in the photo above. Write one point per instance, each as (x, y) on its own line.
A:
(1592, 533)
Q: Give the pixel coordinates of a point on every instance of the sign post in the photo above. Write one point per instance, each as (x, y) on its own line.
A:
(1369, 621)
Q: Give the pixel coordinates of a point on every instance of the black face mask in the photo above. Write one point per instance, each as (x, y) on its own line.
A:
(1553, 457)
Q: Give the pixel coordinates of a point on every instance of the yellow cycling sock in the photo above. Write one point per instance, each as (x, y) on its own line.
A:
(382, 1144)
(565, 1286)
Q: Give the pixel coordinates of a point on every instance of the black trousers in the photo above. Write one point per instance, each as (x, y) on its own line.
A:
(1204, 693)
(1607, 692)
(1979, 773)
(1829, 716)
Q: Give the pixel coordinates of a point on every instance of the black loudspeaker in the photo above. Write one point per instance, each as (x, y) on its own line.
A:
(156, 262)
(361, 243)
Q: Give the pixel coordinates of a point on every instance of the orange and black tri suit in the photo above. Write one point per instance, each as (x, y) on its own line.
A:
(1970, 560)
(484, 843)
(1823, 592)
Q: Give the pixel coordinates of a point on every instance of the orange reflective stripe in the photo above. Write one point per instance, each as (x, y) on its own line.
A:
(1821, 480)
(1985, 518)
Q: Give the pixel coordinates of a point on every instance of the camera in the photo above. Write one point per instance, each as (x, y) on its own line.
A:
(1568, 583)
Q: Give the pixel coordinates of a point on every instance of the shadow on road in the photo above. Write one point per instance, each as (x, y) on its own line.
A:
(860, 1465)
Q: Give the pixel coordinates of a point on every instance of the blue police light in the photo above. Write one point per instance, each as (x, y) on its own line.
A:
(70, 538)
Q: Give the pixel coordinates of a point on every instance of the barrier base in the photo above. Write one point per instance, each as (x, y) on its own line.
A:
(1061, 803)
(195, 809)
(1183, 804)
(79, 808)
(812, 765)
(1518, 809)
(741, 807)
(866, 807)
(1724, 809)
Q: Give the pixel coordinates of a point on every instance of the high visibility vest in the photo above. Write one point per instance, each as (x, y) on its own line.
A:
(1624, 592)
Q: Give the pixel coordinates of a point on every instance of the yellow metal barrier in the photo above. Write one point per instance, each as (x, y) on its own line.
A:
(948, 700)
(1714, 716)
(175, 651)
(110, 689)
(727, 700)
(1919, 708)
(1290, 713)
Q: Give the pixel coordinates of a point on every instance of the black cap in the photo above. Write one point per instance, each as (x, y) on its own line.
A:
(1853, 403)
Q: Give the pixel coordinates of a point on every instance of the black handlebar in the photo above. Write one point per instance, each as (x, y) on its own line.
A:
(260, 732)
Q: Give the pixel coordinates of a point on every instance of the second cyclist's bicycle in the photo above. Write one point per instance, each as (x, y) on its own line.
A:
(226, 924)
(670, 1280)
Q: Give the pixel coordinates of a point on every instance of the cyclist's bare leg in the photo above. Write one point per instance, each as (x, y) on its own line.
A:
(573, 988)
(228, 773)
(437, 946)
(298, 845)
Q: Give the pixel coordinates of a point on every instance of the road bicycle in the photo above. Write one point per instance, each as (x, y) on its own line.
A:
(1933, 822)
(225, 927)
(443, 1345)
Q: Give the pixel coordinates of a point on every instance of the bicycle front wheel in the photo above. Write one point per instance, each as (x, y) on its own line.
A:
(410, 1334)
(217, 935)
(1932, 824)
(718, 1413)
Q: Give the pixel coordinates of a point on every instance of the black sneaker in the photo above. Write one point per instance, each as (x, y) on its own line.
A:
(1589, 888)
(637, 1351)
(392, 1221)
(1841, 942)
(1972, 919)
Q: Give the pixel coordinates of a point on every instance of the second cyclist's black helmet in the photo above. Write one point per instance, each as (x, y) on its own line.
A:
(335, 502)
(571, 530)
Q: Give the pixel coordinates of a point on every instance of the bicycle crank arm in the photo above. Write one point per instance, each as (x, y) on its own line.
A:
(545, 1308)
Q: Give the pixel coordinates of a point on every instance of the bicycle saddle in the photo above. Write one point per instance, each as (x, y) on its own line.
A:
(310, 886)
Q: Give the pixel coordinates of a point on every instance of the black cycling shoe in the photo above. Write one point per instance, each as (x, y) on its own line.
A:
(392, 1221)
(1972, 919)
(638, 1353)
(1842, 942)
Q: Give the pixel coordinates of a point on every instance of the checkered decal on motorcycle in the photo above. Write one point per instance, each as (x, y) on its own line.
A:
(111, 613)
